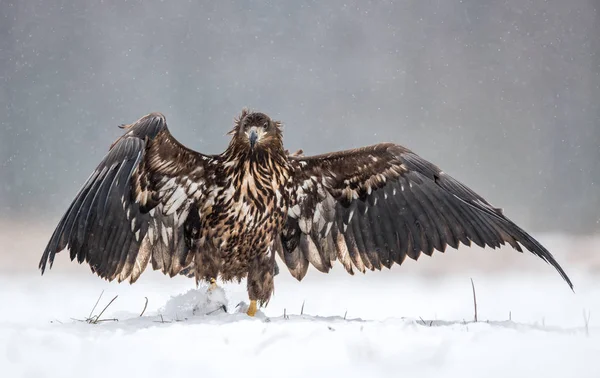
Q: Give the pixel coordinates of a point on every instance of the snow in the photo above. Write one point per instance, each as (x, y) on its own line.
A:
(382, 324)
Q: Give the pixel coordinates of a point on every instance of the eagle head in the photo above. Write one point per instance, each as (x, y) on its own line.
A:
(257, 132)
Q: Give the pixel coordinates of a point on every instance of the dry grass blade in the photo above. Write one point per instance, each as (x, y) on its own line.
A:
(220, 308)
(474, 299)
(145, 306)
(162, 320)
(586, 321)
(97, 301)
(96, 319)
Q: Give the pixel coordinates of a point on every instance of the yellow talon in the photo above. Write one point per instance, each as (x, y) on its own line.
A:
(213, 284)
(252, 308)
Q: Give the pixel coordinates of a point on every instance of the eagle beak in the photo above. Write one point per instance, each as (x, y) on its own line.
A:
(252, 137)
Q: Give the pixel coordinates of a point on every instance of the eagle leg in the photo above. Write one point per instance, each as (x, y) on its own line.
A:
(252, 308)
(260, 281)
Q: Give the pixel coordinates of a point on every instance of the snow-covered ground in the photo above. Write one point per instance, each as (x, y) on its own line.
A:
(412, 321)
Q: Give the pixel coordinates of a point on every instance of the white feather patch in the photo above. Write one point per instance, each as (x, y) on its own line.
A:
(328, 228)
(317, 214)
(151, 234)
(165, 238)
(192, 189)
(351, 215)
(168, 185)
(305, 224)
(294, 211)
(175, 201)
(313, 253)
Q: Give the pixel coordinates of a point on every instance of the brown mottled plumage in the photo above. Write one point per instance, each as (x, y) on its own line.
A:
(153, 200)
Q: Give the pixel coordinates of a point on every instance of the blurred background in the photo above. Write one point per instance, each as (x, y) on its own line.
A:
(503, 95)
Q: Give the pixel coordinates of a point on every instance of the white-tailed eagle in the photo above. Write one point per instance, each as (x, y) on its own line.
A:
(153, 201)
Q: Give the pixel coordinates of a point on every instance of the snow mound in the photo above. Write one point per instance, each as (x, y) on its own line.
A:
(196, 302)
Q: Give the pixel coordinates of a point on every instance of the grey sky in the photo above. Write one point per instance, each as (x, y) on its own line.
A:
(502, 95)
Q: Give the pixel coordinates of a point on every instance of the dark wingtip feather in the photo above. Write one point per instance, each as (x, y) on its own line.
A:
(539, 250)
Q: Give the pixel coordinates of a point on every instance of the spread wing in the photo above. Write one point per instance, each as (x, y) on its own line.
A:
(373, 206)
(139, 205)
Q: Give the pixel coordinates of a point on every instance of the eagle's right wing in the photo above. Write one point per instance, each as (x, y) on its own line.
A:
(140, 205)
(374, 206)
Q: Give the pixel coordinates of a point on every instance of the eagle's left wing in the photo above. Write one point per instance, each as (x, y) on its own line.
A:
(373, 206)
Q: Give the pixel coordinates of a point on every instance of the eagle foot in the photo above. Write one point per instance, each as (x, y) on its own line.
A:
(213, 285)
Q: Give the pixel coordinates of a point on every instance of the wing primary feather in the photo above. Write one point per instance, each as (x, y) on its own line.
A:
(350, 240)
(393, 225)
(87, 206)
(424, 228)
(475, 233)
(122, 177)
(126, 254)
(383, 231)
(62, 233)
(117, 260)
(492, 237)
(470, 232)
(115, 245)
(141, 261)
(112, 253)
(414, 248)
(360, 245)
(91, 229)
(366, 232)
(453, 217)
(125, 271)
(77, 235)
(95, 228)
(68, 227)
(434, 227)
(54, 245)
(447, 225)
(309, 249)
(296, 263)
(343, 254)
